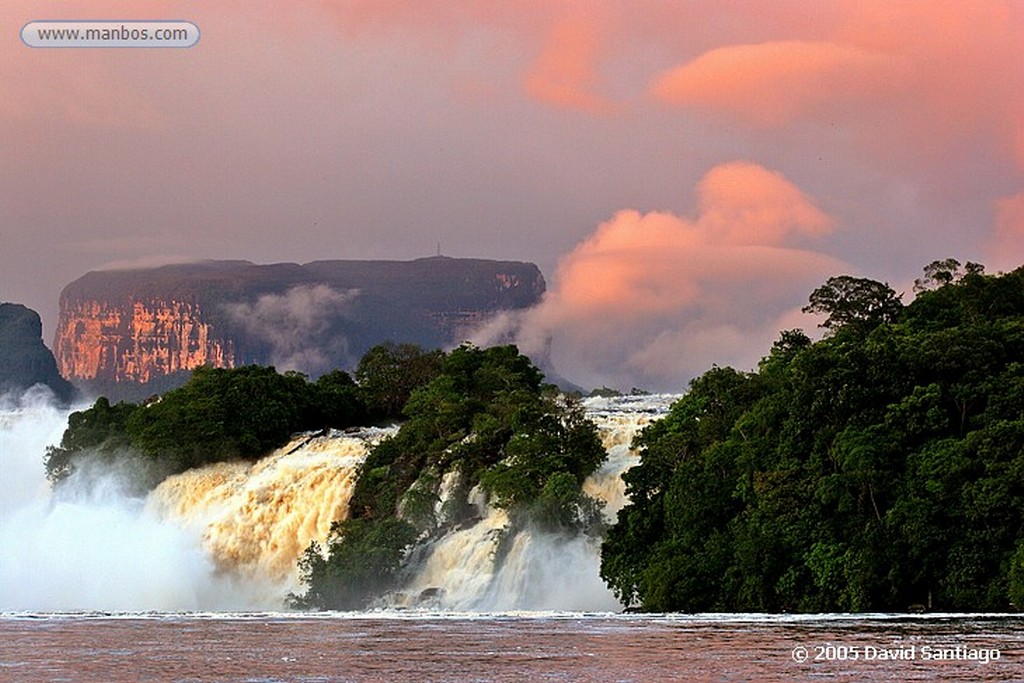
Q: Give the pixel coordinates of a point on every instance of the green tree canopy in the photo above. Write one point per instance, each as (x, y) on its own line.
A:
(388, 373)
(219, 414)
(854, 301)
(879, 468)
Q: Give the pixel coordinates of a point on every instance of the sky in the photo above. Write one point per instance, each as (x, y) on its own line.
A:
(683, 173)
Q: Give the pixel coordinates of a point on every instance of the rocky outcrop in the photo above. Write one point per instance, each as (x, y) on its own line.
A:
(151, 326)
(24, 359)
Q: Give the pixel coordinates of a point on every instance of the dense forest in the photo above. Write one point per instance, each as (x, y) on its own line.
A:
(881, 468)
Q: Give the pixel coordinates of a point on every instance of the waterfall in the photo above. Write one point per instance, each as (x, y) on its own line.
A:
(463, 571)
(92, 545)
(228, 536)
(255, 520)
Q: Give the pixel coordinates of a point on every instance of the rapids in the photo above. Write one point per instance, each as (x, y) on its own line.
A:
(229, 535)
(255, 520)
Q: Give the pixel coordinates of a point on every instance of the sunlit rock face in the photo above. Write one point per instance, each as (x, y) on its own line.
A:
(149, 327)
(136, 341)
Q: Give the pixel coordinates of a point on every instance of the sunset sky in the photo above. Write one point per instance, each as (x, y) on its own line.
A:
(684, 173)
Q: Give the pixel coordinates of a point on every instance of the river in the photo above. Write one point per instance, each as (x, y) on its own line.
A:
(466, 647)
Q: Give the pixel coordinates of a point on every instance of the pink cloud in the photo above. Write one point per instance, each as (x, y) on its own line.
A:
(557, 47)
(742, 203)
(937, 62)
(390, 120)
(770, 84)
(564, 74)
(652, 299)
(928, 94)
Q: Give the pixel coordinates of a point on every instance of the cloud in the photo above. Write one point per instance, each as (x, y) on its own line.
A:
(557, 45)
(769, 84)
(910, 82)
(564, 74)
(653, 299)
(150, 261)
(743, 203)
(287, 134)
(147, 244)
(300, 327)
(924, 96)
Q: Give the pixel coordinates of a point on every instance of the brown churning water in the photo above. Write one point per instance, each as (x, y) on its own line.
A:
(401, 647)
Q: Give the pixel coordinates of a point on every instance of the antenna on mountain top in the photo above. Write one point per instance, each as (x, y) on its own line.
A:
(438, 248)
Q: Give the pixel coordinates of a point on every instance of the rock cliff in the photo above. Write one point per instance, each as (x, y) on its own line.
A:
(24, 359)
(151, 326)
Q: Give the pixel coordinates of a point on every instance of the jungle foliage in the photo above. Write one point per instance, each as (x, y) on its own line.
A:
(877, 469)
(486, 419)
(238, 414)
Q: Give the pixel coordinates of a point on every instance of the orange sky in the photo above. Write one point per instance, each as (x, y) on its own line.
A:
(684, 173)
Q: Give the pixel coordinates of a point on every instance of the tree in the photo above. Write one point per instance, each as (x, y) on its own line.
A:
(945, 272)
(546, 461)
(222, 414)
(219, 414)
(388, 373)
(854, 302)
(361, 562)
(99, 429)
(486, 419)
(337, 401)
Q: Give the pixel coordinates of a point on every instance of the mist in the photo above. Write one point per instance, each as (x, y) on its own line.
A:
(299, 327)
(90, 545)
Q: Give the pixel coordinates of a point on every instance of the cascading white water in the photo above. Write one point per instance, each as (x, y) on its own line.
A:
(540, 570)
(619, 419)
(223, 537)
(255, 520)
(228, 536)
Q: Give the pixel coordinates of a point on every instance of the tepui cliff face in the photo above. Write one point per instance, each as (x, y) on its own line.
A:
(152, 326)
(135, 341)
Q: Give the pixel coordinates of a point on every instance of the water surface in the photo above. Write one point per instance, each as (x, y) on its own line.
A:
(423, 646)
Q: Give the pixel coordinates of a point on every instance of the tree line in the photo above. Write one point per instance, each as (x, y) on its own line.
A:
(240, 413)
(880, 468)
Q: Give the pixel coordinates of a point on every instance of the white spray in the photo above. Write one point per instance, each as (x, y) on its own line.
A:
(90, 547)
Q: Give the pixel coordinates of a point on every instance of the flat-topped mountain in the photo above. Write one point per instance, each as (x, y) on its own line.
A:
(151, 326)
(24, 359)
